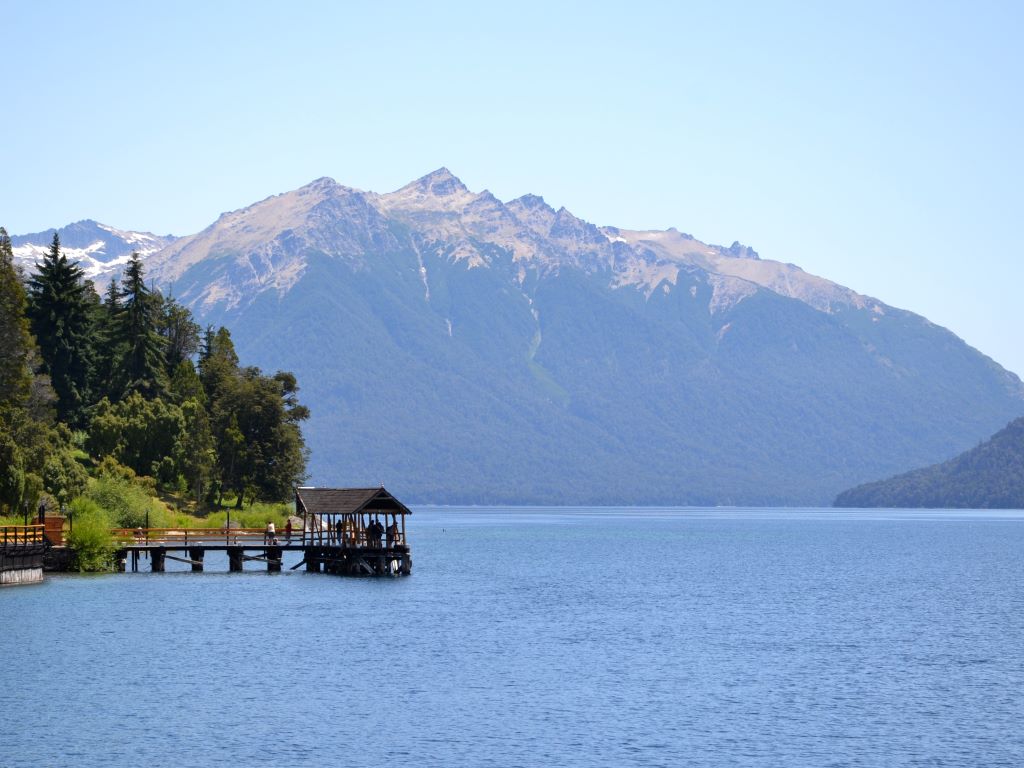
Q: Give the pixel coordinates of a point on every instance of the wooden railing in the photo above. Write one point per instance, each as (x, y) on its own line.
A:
(250, 536)
(190, 535)
(21, 535)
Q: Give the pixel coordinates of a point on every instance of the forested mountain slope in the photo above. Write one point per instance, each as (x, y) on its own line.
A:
(465, 349)
(990, 475)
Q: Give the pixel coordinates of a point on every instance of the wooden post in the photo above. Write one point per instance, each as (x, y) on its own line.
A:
(313, 560)
(157, 556)
(196, 556)
(274, 556)
(235, 559)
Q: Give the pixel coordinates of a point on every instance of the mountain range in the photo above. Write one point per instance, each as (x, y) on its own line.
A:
(465, 349)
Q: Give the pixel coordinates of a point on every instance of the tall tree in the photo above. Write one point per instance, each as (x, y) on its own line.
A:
(218, 362)
(60, 318)
(195, 452)
(260, 450)
(179, 331)
(142, 367)
(109, 350)
(15, 340)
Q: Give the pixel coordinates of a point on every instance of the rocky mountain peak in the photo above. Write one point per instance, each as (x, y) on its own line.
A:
(741, 251)
(439, 190)
(531, 202)
(566, 226)
(323, 184)
(533, 212)
(439, 183)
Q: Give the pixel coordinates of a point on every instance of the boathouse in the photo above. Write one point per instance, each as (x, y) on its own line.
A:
(354, 530)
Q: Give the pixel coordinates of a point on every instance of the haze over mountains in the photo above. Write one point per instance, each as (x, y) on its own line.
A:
(464, 349)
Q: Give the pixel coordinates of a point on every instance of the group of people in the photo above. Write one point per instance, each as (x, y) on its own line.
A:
(270, 534)
(344, 532)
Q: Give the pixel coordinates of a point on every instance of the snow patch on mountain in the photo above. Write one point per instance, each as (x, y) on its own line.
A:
(100, 250)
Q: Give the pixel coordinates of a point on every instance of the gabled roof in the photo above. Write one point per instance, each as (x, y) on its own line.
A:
(346, 501)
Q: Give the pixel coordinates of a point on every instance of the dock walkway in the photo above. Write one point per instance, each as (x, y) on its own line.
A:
(321, 554)
(348, 531)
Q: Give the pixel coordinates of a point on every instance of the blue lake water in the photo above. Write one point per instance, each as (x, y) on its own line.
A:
(547, 637)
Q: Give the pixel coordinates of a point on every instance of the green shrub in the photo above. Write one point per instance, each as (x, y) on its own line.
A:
(90, 537)
(83, 506)
(125, 502)
(255, 516)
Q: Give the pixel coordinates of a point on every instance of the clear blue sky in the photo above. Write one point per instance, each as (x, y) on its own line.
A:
(876, 144)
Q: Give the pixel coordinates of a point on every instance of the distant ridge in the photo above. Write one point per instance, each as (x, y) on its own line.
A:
(989, 476)
(100, 250)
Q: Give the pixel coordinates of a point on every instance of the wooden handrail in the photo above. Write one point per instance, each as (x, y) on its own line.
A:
(199, 535)
(21, 535)
(188, 530)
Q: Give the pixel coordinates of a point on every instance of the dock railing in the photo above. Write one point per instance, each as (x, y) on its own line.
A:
(191, 535)
(240, 536)
(21, 535)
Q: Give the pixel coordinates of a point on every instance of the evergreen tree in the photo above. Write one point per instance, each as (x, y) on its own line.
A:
(185, 383)
(218, 362)
(15, 340)
(109, 350)
(142, 364)
(179, 331)
(60, 319)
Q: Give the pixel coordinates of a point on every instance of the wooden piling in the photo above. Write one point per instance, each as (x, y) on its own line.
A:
(274, 557)
(158, 558)
(235, 559)
(313, 557)
(196, 556)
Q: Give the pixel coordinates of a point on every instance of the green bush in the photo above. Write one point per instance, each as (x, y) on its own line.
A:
(255, 516)
(125, 502)
(90, 537)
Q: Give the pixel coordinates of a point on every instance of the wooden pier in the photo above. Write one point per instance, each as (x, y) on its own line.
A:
(344, 531)
(21, 554)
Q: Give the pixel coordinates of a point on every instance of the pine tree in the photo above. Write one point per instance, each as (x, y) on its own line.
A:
(142, 364)
(15, 341)
(109, 351)
(218, 362)
(60, 318)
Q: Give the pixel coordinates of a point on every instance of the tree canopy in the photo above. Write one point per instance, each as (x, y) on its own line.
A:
(112, 382)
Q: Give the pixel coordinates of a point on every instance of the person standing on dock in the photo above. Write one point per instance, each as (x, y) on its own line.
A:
(392, 533)
(288, 531)
(270, 534)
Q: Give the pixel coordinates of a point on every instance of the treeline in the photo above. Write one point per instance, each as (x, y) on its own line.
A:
(130, 385)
